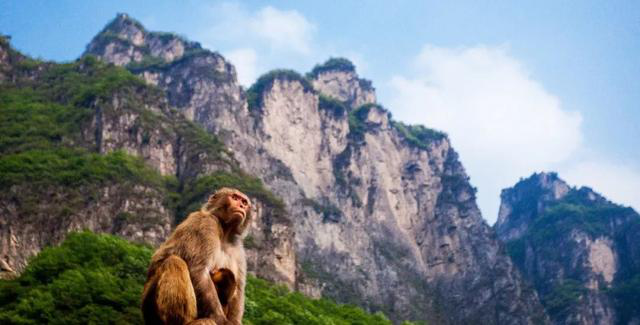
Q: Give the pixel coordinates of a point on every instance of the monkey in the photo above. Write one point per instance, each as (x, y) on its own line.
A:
(198, 275)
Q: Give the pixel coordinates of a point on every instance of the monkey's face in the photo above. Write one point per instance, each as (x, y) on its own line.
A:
(236, 206)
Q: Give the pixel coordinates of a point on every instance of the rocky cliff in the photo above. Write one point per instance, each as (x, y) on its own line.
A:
(383, 213)
(87, 145)
(577, 248)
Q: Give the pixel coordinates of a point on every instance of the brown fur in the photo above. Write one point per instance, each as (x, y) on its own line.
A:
(198, 275)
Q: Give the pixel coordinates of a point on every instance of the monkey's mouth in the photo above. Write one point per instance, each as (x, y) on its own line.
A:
(239, 211)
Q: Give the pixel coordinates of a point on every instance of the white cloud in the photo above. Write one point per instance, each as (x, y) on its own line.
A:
(244, 59)
(267, 38)
(283, 29)
(504, 124)
(619, 183)
(279, 30)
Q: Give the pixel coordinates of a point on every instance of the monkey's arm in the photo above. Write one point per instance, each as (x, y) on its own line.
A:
(206, 295)
(201, 247)
(236, 306)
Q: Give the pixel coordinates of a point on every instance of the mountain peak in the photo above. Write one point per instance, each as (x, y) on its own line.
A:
(548, 184)
(524, 201)
(570, 241)
(125, 40)
(337, 78)
(127, 28)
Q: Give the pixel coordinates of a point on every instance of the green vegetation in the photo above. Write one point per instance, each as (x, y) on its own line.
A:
(256, 92)
(41, 121)
(333, 64)
(365, 84)
(626, 295)
(29, 121)
(200, 141)
(85, 81)
(357, 121)
(579, 210)
(109, 37)
(155, 63)
(418, 135)
(269, 304)
(38, 115)
(98, 279)
(415, 135)
(563, 297)
(196, 192)
(332, 105)
(89, 279)
(148, 61)
(70, 167)
(559, 219)
(44, 143)
(517, 251)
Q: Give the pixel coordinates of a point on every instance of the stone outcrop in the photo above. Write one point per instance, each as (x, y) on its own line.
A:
(574, 246)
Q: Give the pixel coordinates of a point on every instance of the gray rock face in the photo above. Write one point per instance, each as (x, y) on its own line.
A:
(574, 246)
(382, 214)
(134, 212)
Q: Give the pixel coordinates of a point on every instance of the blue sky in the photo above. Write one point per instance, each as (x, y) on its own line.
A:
(519, 87)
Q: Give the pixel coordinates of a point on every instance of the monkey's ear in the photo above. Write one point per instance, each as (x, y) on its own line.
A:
(213, 197)
(211, 202)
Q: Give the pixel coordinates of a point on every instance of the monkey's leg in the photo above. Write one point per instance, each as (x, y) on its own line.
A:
(175, 297)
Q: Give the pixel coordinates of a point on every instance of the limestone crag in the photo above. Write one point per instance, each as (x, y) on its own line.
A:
(574, 246)
(125, 41)
(337, 78)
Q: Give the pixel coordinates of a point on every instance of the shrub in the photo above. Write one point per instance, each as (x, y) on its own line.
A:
(98, 279)
(256, 92)
(333, 64)
(563, 297)
(418, 135)
(74, 167)
(88, 279)
(332, 105)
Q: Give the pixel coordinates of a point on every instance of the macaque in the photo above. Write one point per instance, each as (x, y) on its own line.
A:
(198, 275)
